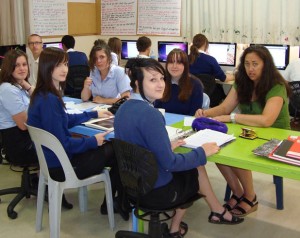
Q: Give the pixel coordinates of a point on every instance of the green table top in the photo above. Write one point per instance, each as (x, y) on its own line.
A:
(239, 152)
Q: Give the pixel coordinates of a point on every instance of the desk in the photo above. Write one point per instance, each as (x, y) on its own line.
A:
(239, 154)
(170, 118)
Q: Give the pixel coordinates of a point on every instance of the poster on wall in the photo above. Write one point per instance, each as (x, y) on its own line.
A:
(118, 17)
(159, 17)
(49, 18)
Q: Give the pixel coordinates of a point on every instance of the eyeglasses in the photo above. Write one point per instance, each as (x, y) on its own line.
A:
(35, 43)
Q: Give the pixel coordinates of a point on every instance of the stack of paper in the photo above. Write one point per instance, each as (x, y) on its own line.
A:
(204, 136)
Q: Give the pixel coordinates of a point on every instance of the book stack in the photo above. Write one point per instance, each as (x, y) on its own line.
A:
(287, 151)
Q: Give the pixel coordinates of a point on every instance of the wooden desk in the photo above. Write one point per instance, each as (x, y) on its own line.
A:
(239, 154)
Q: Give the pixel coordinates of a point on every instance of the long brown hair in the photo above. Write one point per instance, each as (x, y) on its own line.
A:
(9, 66)
(184, 83)
(199, 40)
(269, 78)
(115, 45)
(50, 58)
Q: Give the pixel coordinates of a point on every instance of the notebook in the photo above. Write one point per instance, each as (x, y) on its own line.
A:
(294, 150)
(207, 135)
(106, 124)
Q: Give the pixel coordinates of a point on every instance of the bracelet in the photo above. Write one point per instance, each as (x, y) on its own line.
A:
(232, 117)
(28, 89)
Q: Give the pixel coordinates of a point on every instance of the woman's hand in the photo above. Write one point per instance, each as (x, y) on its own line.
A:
(199, 113)
(104, 113)
(210, 148)
(177, 143)
(223, 118)
(87, 82)
(100, 137)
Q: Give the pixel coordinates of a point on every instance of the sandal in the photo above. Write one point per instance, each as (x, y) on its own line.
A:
(242, 212)
(233, 197)
(175, 235)
(183, 229)
(234, 220)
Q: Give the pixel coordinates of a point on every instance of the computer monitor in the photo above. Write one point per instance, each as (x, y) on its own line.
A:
(223, 52)
(129, 49)
(53, 44)
(164, 48)
(280, 54)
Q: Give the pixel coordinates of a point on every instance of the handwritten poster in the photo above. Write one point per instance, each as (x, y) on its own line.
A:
(49, 17)
(159, 17)
(118, 17)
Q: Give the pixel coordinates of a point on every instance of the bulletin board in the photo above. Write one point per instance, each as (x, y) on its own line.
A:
(141, 17)
(84, 18)
(56, 18)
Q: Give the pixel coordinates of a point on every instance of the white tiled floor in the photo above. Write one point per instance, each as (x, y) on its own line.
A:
(266, 222)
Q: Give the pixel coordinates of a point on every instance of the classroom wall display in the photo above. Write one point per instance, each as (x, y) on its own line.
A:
(118, 17)
(159, 17)
(141, 17)
(49, 17)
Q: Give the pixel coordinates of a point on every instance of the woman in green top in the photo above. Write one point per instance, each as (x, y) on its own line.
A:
(261, 95)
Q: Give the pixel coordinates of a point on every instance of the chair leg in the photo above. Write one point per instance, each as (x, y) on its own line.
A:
(55, 196)
(40, 203)
(83, 198)
(154, 229)
(227, 193)
(109, 200)
(278, 181)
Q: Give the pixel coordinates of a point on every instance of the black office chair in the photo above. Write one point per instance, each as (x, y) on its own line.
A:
(26, 188)
(208, 82)
(294, 105)
(75, 80)
(138, 171)
(295, 99)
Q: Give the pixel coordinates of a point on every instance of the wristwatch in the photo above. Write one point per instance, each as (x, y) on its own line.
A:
(232, 117)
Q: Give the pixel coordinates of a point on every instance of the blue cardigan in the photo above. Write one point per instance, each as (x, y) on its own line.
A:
(189, 107)
(206, 64)
(48, 114)
(139, 123)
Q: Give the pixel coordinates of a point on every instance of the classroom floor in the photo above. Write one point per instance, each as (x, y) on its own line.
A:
(266, 222)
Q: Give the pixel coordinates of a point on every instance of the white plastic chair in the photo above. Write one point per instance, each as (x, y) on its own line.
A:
(55, 189)
(206, 101)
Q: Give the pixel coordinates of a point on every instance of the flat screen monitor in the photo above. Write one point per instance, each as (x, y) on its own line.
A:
(280, 54)
(53, 44)
(129, 49)
(164, 48)
(223, 52)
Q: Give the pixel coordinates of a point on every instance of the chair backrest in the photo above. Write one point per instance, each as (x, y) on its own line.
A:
(208, 81)
(206, 101)
(42, 138)
(75, 80)
(295, 97)
(137, 168)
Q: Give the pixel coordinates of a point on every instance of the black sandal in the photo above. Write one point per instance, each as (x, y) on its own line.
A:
(175, 235)
(234, 197)
(183, 229)
(221, 220)
(242, 212)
